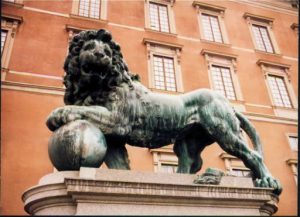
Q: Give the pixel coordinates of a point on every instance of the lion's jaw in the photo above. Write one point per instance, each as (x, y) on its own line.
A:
(95, 54)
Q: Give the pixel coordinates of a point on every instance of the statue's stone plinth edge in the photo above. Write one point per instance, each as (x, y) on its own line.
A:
(119, 192)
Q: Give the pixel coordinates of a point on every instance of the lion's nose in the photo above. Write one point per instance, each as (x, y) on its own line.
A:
(99, 54)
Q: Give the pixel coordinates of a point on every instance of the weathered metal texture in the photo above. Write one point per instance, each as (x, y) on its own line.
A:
(76, 144)
(100, 89)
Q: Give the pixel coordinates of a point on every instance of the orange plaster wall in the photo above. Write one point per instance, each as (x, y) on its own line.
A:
(24, 145)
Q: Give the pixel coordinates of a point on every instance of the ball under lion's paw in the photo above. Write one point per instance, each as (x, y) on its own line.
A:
(269, 182)
(77, 144)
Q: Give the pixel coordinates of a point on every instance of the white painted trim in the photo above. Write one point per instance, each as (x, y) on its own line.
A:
(258, 105)
(290, 58)
(264, 5)
(35, 75)
(31, 89)
(46, 12)
(271, 119)
(127, 27)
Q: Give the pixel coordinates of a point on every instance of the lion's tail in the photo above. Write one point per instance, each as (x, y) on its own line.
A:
(251, 132)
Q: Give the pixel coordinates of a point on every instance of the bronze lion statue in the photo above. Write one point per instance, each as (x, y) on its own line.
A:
(101, 90)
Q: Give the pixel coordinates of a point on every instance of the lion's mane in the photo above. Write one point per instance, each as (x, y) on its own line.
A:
(92, 88)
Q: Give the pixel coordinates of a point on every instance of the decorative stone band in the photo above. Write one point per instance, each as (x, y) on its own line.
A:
(119, 192)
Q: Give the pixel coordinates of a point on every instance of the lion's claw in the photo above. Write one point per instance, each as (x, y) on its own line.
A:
(61, 116)
(269, 182)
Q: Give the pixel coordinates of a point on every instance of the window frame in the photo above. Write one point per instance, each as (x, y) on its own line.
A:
(16, 3)
(164, 155)
(266, 22)
(233, 163)
(171, 19)
(167, 50)
(164, 72)
(215, 11)
(227, 61)
(288, 135)
(281, 70)
(9, 23)
(103, 11)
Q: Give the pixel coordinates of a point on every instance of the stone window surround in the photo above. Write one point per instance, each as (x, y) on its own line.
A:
(168, 50)
(228, 61)
(232, 163)
(295, 27)
(169, 4)
(103, 11)
(163, 155)
(16, 3)
(213, 10)
(267, 22)
(282, 71)
(10, 23)
(293, 163)
(288, 135)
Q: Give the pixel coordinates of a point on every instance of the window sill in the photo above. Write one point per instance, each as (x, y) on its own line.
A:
(18, 5)
(215, 43)
(88, 18)
(263, 52)
(284, 112)
(159, 32)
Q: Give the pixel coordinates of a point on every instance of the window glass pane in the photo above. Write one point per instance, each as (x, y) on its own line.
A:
(279, 91)
(89, 8)
(293, 140)
(164, 73)
(211, 28)
(223, 82)
(262, 38)
(3, 39)
(159, 19)
(168, 168)
(241, 173)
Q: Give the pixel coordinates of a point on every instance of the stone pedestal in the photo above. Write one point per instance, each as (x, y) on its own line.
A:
(119, 192)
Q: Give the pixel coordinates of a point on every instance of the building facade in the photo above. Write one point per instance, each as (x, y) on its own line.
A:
(246, 50)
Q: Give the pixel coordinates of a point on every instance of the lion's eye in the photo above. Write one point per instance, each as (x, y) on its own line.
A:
(107, 52)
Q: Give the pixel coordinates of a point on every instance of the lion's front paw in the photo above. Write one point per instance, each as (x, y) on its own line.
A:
(269, 182)
(61, 116)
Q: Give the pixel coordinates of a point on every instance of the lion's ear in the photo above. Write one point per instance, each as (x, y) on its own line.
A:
(106, 36)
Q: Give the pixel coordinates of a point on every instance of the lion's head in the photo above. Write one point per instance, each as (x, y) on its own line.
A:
(94, 67)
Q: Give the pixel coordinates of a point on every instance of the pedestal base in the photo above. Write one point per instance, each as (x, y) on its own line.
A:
(120, 192)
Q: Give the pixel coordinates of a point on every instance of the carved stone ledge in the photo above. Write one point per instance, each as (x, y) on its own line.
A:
(117, 192)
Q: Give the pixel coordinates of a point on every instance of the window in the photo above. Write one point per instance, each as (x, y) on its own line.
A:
(223, 75)
(164, 159)
(262, 38)
(222, 81)
(293, 141)
(89, 8)
(260, 28)
(94, 9)
(164, 66)
(13, 1)
(211, 28)
(9, 27)
(164, 75)
(279, 91)
(168, 168)
(17, 3)
(241, 172)
(3, 39)
(159, 19)
(211, 22)
(159, 16)
(234, 166)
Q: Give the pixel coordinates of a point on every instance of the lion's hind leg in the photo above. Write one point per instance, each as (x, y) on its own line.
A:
(231, 143)
(188, 152)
